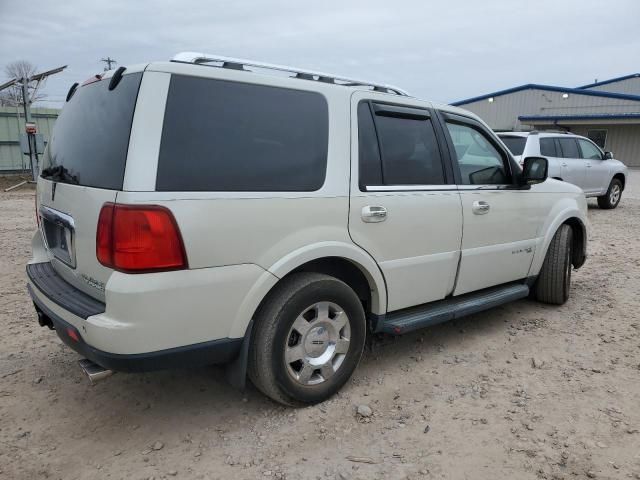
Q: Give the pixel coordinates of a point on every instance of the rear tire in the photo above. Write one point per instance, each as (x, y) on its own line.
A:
(611, 199)
(307, 340)
(554, 281)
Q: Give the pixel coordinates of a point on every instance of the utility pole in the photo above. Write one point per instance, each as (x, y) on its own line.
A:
(30, 127)
(108, 62)
(27, 118)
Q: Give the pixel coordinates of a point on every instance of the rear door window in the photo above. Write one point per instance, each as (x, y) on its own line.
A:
(90, 138)
(548, 147)
(230, 136)
(569, 148)
(409, 150)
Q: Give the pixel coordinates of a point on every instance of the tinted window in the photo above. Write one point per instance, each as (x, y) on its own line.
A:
(548, 147)
(569, 148)
(368, 153)
(90, 138)
(479, 161)
(589, 150)
(410, 154)
(514, 144)
(229, 136)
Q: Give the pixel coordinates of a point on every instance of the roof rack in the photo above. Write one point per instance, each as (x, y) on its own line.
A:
(239, 64)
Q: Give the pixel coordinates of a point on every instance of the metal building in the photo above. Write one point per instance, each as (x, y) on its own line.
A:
(12, 126)
(608, 112)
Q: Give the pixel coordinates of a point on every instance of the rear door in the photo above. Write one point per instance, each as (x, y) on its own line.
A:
(405, 209)
(82, 169)
(500, 221)
(573, 166)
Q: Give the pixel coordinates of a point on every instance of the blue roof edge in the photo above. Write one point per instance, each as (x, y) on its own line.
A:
(549, 88)
(611, 80)
(595, 116)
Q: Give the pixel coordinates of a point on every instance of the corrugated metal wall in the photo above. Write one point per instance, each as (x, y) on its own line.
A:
(622, 140)
(12, 125)
(630, 86)
(503, 112)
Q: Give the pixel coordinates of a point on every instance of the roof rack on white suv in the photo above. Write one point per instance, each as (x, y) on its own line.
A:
(239, 64)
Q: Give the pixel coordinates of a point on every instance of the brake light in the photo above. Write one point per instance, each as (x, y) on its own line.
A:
(139, 238)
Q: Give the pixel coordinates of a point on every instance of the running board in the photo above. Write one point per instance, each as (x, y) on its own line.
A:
(415, 318)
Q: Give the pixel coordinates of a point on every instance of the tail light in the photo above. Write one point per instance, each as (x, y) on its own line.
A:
(139, 238)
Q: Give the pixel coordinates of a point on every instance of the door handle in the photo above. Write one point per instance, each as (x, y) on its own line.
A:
(373, 214)
(481, 207)
(564, 164)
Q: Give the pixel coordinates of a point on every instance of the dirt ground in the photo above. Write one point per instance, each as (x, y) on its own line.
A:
(523, 391)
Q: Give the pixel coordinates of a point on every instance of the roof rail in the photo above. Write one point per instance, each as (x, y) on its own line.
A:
(239, 64)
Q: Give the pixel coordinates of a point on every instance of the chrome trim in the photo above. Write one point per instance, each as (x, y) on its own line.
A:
(66, 221)
(57, 217)
(411, 188)
(201, 58)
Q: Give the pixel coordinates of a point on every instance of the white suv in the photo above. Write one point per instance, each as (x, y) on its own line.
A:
(213, 210)
(574, 159)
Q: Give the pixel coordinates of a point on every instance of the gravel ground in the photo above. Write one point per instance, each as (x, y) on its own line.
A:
(522, 391)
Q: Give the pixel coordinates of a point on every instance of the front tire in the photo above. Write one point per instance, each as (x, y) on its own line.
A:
(554, 281)
(611, 199)
(307, 340)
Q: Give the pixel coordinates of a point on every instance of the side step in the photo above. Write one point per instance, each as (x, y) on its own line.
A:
(415, 318)
(94, 372)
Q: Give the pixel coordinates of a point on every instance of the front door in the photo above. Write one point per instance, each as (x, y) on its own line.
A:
(405, 208)
(500, 221)
(597, 170)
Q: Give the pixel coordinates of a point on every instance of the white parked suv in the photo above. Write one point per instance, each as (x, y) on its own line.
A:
(212, 210)
(573, 159)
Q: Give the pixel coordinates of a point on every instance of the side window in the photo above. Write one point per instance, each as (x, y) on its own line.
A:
(479, 161)
(235, 137)
(370, 168)
(589, 150)
(569, 148)
(548, 147)
(409, 151)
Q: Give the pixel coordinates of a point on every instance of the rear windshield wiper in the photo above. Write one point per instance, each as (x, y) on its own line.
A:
(59, 174)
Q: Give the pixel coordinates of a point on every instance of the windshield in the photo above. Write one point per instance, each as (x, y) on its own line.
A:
(514, 144)
(90, 138)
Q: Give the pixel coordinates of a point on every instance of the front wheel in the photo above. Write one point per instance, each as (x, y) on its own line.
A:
(554, 281)
(307, 340)
(611, 199)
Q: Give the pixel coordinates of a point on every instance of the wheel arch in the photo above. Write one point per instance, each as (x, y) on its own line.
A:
(572, 216)
(620, 176)
(346, 262)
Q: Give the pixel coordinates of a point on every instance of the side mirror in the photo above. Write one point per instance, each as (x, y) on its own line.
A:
(534, 170)
(608, 156)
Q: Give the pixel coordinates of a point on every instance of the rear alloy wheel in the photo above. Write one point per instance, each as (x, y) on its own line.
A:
(554, 280)
(612, 197)
(317, 343)
(307, 339)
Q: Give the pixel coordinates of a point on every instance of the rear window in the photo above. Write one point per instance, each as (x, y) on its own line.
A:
(90, 138)
(515, 144)
(229, 136)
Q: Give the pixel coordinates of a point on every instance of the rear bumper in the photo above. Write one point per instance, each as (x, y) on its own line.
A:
(67, 310)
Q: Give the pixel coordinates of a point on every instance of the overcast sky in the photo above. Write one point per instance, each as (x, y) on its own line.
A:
(442, 51)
